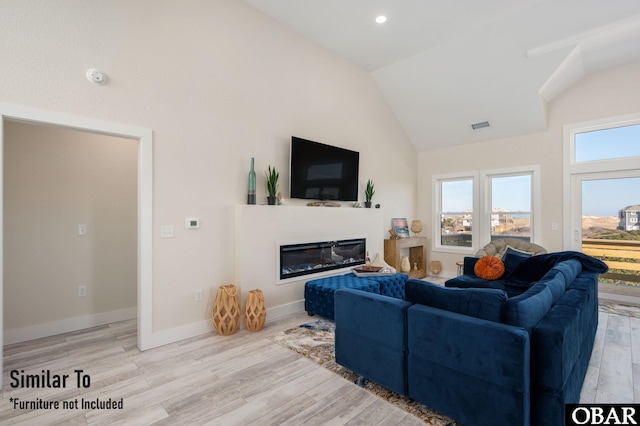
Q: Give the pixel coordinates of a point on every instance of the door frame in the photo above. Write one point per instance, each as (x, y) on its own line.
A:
(572, 168)
(145, 201)
(575, 223)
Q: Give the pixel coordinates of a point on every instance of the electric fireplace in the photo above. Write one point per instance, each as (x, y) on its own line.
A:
(309, 258)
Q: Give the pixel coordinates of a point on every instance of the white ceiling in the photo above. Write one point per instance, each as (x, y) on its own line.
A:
(445, 64)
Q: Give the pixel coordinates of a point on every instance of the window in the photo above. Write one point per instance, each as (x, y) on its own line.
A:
(510, 206)
(456, 212)
(607, 143)
(474, 208)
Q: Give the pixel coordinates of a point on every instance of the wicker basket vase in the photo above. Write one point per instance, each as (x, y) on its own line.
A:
(255, 313)
(225, 315)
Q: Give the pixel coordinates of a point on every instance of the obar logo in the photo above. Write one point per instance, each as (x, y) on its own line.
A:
(601, 414)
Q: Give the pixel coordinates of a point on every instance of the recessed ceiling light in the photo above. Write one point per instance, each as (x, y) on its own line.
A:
(381, 19)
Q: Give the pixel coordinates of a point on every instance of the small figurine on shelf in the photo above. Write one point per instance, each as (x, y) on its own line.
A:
(393, 235)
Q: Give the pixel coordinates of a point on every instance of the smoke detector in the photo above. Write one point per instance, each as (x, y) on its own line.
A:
(96, 76)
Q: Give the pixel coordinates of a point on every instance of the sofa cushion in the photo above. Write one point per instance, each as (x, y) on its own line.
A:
(512, 259)
(471, 281)
(469, 263)
(556, 343)
(489, 268)
(570, 269)
(528, 308)
(556, 282)
(476, 302)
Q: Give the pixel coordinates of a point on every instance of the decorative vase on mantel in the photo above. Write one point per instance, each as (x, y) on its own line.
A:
(251, 186)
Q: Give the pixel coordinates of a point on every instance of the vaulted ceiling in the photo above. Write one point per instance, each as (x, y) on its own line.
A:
(446, 64)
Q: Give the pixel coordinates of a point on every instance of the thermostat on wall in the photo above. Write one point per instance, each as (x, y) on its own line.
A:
(192, 223)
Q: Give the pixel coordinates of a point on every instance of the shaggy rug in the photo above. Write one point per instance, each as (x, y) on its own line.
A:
(315, 341)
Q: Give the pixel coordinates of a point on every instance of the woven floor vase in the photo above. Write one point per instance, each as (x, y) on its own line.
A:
(225, 315)
(255, 313)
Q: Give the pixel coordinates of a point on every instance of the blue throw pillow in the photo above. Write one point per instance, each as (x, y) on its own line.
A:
(512, 259)
(485, 303)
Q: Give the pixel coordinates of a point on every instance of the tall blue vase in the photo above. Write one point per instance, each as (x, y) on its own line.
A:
(251, 188)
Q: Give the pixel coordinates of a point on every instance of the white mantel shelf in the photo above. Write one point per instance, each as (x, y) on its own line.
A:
(260, 230)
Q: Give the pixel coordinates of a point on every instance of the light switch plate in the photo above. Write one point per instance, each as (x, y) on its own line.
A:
(166, 231)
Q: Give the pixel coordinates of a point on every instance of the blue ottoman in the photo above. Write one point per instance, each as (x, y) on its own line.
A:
(391, 285)
(318, 294)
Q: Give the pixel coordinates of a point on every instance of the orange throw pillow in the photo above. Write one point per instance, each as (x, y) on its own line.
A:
(489, 268)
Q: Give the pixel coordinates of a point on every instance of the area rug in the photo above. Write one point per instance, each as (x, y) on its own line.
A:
(619, 309)
(315, 341)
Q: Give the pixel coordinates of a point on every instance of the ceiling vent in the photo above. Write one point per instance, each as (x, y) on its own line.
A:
(481, 125)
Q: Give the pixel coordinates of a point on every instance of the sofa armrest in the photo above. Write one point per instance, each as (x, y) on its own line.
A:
(474, 370)
(371, 336)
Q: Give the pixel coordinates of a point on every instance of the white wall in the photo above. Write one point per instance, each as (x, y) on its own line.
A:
(54, 180)
(606, 94)
(218, 83)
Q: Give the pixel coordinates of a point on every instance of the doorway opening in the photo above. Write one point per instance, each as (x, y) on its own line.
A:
(70, 218)
(144, 199)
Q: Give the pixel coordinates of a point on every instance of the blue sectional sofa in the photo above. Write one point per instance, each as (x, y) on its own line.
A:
(480, 355)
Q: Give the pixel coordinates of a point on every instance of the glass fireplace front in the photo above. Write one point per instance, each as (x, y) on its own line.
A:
(309, 258)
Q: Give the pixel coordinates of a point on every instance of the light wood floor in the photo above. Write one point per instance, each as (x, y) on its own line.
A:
(244, 379)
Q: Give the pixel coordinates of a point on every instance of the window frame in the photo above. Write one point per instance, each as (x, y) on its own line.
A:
(437, 212)
(481, 215)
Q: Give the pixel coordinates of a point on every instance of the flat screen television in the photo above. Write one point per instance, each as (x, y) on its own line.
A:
(322, 172)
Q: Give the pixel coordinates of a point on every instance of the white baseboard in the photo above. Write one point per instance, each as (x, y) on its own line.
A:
(160, 338)
(187, 331)
(284, 310)
(64, 326)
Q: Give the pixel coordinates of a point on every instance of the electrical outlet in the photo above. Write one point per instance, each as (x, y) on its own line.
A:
(82, 291)
(198, 295)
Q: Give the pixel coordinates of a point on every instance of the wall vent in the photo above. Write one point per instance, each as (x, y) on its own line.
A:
(481, 125)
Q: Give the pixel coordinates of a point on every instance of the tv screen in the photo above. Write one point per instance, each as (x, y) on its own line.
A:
(323, 172)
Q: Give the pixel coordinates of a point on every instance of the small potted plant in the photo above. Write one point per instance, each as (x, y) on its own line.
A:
(368, 193)
(272, 185)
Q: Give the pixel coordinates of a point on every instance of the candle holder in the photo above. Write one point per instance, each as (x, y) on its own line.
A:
(435, 267)
(416, 227)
